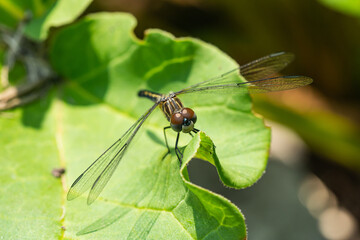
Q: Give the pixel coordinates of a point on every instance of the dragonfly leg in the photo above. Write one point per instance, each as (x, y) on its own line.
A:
(166, 142)
(177, 150)
(195, 130)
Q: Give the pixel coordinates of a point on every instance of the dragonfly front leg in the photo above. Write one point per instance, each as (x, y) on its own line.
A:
(166, 142)
(195, 131)
(177, 150)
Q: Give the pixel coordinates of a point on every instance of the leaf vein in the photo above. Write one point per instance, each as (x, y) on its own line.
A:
(61, 154)
(166, 63)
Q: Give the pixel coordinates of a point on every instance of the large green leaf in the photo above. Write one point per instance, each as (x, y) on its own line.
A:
(46, 14)
(105, 65)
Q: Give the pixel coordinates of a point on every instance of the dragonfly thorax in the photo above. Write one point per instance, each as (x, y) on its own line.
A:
(183, 120)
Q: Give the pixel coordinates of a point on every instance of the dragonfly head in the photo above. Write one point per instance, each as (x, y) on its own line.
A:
(183, 121)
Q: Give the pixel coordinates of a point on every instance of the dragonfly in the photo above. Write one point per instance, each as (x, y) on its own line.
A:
(261, 77)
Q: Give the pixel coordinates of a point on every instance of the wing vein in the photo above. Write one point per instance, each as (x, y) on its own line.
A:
(97, 175)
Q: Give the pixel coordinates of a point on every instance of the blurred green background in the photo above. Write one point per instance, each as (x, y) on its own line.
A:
(311, 189)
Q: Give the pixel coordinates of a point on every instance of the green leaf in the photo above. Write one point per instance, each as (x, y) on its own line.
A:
(349, 7)
(105, 66)
(30, 198)
(163, 206)
(45, 14)
(60, 12)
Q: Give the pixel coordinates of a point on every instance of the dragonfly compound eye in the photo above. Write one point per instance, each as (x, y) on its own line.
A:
(189, 114)
(176, 122)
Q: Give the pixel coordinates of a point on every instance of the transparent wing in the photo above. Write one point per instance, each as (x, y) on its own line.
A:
(97, 175)
(258, 86)
(258, 75)
(267, 66)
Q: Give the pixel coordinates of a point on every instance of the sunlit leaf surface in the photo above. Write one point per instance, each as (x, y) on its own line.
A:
(104, 66)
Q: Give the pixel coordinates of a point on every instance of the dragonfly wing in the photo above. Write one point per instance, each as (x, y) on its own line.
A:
(257, 86)
(228, 78)
(105, 176)
(276, 84)
(267, 66)
(97, 175)
(258, 75)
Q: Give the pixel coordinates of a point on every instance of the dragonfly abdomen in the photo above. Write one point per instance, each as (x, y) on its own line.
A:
(153, 96)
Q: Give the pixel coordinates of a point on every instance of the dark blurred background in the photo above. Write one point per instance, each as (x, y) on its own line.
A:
(311, 189)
